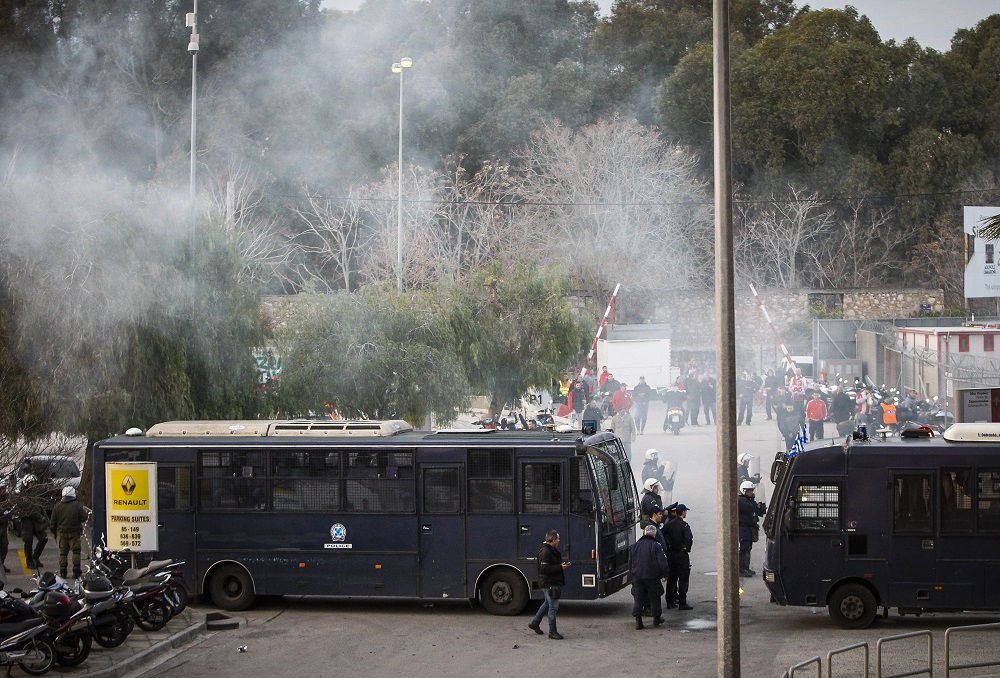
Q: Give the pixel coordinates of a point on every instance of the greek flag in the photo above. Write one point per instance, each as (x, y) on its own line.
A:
(800, 442)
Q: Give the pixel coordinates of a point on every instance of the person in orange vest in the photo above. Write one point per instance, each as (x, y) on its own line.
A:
(889, 413)
(816, 414)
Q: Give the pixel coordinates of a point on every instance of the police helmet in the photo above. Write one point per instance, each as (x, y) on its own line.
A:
(650, 484)
(746, 485)
(745, 458)
(651, 454)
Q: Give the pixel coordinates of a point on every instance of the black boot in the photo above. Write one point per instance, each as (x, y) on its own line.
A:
(638, 624)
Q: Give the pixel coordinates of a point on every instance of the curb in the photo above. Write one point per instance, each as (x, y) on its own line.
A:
(179, 639)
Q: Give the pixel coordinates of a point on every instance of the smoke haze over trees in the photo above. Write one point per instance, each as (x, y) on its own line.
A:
(537, 137)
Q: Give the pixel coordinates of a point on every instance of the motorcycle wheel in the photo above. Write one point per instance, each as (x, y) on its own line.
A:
(112, 634)
(40, 658)
(180, 594)
(72, 649)
(677, 430)
(154, 615)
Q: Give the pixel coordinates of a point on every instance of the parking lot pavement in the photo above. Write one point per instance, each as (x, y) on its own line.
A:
(141, 648)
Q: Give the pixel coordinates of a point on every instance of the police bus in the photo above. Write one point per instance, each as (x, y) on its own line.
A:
(906, 522)
(370, 508)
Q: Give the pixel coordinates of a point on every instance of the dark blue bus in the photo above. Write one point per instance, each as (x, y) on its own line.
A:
(910, 523)
(370, 508)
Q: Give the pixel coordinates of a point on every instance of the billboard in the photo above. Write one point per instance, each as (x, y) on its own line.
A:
(981, 278)
(132, 511)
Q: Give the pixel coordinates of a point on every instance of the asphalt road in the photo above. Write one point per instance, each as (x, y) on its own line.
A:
(405, 638)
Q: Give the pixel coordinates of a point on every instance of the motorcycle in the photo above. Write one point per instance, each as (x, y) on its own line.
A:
(118, 569)
(25, 643)
(674, 420)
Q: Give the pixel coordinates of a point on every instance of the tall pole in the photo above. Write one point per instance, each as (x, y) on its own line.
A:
(405, 62)
(727, 595)
(399, 195)
(191, 22)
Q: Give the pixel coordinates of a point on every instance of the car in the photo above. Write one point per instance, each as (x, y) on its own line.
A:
(54, 471)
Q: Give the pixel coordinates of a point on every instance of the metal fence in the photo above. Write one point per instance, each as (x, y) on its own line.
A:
(816, 664)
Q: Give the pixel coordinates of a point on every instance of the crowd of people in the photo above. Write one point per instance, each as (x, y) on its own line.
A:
(31, 513)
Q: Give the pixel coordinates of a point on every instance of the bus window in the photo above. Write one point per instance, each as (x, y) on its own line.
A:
(989, 501)
(912, 503)
(542, 488)
(378, 481)
(305, 481)
(957, 516)
(581, 494)
(816, 508)
(441, 490)
(491, 481)
(173, 488)
(232, 480)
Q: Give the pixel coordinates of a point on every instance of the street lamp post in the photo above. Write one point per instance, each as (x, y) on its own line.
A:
(191, 21)
(398, 67)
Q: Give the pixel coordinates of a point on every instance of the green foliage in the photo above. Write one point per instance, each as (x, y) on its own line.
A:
(517, 330)
(376, 354)
(372, 354)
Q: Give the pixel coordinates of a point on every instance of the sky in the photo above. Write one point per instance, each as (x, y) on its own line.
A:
(931, 22)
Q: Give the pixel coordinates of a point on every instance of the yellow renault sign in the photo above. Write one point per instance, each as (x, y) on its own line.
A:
(132, 515)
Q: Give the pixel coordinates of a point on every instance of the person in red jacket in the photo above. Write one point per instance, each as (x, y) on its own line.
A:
(621, 398)
(816, 414)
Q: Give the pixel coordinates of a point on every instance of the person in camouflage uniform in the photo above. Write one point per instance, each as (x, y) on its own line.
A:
(68, 519)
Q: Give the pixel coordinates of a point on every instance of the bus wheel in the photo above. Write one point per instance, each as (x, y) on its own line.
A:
(504, 592)
(231, 588)
(852, 606)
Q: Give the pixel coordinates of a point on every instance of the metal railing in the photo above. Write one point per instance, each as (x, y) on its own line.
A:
(948, 633)
(817, 662)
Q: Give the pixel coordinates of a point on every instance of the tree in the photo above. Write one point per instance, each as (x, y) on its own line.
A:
(517, 330)
(620, 206)
(774, 237)
(370, 354)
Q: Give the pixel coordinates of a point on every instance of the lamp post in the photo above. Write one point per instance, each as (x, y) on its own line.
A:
(191, 22)
(398, 67)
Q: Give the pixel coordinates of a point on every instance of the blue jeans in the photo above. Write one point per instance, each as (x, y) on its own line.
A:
(551, 607)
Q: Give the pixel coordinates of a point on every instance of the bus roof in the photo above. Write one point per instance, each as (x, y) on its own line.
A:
(361, 432)
(279, 427)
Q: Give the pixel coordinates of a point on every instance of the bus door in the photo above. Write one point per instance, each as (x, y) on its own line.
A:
(442, 531)
(914, 553)
(175, 506)
(541, 506)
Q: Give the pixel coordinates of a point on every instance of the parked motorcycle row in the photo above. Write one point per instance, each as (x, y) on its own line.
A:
(58, 622)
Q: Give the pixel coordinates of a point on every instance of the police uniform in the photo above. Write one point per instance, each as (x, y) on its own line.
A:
(679, 537)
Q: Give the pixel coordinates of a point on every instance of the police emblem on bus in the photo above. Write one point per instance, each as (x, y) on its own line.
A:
(338, 533)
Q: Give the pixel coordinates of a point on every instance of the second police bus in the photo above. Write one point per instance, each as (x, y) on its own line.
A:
(911, 523)
(370, 508)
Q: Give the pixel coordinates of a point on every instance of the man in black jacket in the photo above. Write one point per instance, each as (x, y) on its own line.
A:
(641, 395)
(749, 517)
(679, 559)
(551, 579)
(648, 565)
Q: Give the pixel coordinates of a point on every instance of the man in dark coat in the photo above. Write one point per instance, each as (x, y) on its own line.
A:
(648, 566)
(679, 559)
(551, 579)
(641, 395)
(708, 387)
(693, 388)
(789, 423)
(746, 388)
(749, 518)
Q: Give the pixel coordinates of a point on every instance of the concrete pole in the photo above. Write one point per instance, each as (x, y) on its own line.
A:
(728, 599)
